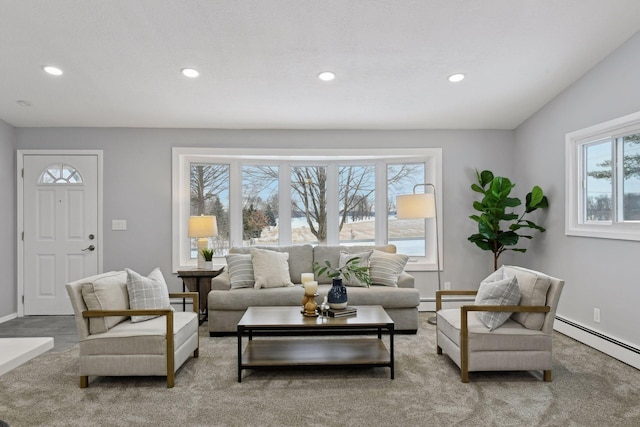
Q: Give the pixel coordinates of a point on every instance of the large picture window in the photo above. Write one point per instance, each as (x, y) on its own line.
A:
(603, 180)
(302, 197)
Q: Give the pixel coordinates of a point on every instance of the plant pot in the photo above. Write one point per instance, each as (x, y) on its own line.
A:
(208, 265)
(337, 295)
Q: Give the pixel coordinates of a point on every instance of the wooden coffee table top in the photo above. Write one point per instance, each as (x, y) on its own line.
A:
(291, 318)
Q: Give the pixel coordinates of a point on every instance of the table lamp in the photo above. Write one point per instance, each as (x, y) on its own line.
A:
(202, 227)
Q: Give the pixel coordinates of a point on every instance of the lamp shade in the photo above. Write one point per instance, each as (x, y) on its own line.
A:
(203, 226)
(416, 206)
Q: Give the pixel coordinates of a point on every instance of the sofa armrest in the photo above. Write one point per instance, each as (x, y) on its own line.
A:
(221, 282)
(405, 280)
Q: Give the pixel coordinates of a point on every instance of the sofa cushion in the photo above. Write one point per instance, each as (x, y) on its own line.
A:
(385, 268)
(240, 268)
(497, 289)
(300, 258)
(363, 261)
(533, 291)
(147, 292)
(106, 292)
(270, 268)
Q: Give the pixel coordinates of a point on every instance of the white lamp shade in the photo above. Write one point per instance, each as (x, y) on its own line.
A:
(203, 226)
(415, 206)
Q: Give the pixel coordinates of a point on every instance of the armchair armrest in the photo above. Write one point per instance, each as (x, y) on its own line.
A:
(441, 293)
(195, 298)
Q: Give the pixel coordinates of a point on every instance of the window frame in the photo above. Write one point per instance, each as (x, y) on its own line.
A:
(575, 175)
(182, 157)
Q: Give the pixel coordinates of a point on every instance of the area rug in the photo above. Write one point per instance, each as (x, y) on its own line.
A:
(588, 389)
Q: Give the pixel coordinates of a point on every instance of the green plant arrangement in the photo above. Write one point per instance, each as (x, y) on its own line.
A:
(207, 254)
(493, 213)
(351, 267)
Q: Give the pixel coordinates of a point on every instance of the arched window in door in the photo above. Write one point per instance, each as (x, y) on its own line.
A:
(60, 174)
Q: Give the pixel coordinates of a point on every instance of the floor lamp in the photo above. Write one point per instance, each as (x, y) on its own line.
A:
(202, 227)
(422, 205)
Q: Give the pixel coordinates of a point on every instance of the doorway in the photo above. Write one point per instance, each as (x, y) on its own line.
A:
(59, 226)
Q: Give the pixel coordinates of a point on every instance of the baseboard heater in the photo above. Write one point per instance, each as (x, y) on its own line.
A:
(599, 335)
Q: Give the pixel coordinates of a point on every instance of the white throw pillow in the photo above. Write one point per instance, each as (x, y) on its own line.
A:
(240, 269)
(497, 289)
(363, 261)
(147, 292)
(385, 268)
(270, 268)
(109, 292)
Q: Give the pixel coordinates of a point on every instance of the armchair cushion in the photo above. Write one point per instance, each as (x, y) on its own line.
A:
(533, 291)
(147, 292)
(497, 289)
(106, 292)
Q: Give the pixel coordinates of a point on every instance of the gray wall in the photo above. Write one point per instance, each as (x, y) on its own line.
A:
(600, 273)
(7, 220)
(137, 184)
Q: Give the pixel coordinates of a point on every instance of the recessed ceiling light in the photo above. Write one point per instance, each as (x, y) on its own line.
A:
(190, 72)
(54, 71)
(326, 76)
(455, 78)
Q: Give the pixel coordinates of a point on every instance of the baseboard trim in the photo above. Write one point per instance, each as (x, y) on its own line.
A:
(8, 317)
(617, 349)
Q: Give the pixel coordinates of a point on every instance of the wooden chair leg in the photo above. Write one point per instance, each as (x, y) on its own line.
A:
(547, 375)
(84, 381)
(196, 353)
(171, 380)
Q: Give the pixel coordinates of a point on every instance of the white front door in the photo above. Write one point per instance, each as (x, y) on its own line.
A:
(60, 221)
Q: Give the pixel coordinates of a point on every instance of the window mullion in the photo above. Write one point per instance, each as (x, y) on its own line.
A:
(284, 203)
(617, 181)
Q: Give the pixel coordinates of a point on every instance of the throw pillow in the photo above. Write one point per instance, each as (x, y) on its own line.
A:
(533, 291)
(109, 292)
(385, 268)
(270, 268)
(497, 289)
(240, 268)
(363, 261)
(147, 292)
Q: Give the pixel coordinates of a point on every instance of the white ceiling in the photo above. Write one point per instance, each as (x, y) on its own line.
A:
(259, 59)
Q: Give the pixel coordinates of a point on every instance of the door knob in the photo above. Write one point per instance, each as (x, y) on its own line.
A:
(89, 248)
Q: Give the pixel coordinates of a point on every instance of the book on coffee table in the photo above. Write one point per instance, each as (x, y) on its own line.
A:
(341, 312)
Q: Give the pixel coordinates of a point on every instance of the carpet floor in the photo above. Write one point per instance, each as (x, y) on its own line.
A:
(588, 389)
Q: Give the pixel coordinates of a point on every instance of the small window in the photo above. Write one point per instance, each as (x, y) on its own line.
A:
(603, 180)
(60, 174)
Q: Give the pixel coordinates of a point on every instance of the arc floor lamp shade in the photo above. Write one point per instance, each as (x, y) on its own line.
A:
(202, 227)
(421, 205)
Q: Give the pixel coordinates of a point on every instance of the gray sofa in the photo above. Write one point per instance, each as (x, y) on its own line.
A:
(226, 305)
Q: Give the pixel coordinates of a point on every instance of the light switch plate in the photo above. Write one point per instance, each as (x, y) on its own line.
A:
(119, 224)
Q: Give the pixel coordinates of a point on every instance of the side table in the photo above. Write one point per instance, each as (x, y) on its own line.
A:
(199, 280)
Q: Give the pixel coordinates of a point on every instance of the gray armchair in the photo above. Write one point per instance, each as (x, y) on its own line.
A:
(114, 346)
(520, 344)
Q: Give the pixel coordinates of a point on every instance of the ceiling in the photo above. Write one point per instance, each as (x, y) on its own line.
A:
(259, 60)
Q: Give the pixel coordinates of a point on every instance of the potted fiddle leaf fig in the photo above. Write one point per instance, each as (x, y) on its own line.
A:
(499, 226)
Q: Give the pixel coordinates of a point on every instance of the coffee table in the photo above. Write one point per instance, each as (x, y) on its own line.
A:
(302, 352)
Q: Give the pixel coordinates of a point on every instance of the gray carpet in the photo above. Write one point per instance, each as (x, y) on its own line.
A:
(588, 389)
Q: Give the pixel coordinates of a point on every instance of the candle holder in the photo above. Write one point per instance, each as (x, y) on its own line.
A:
(309, 305)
